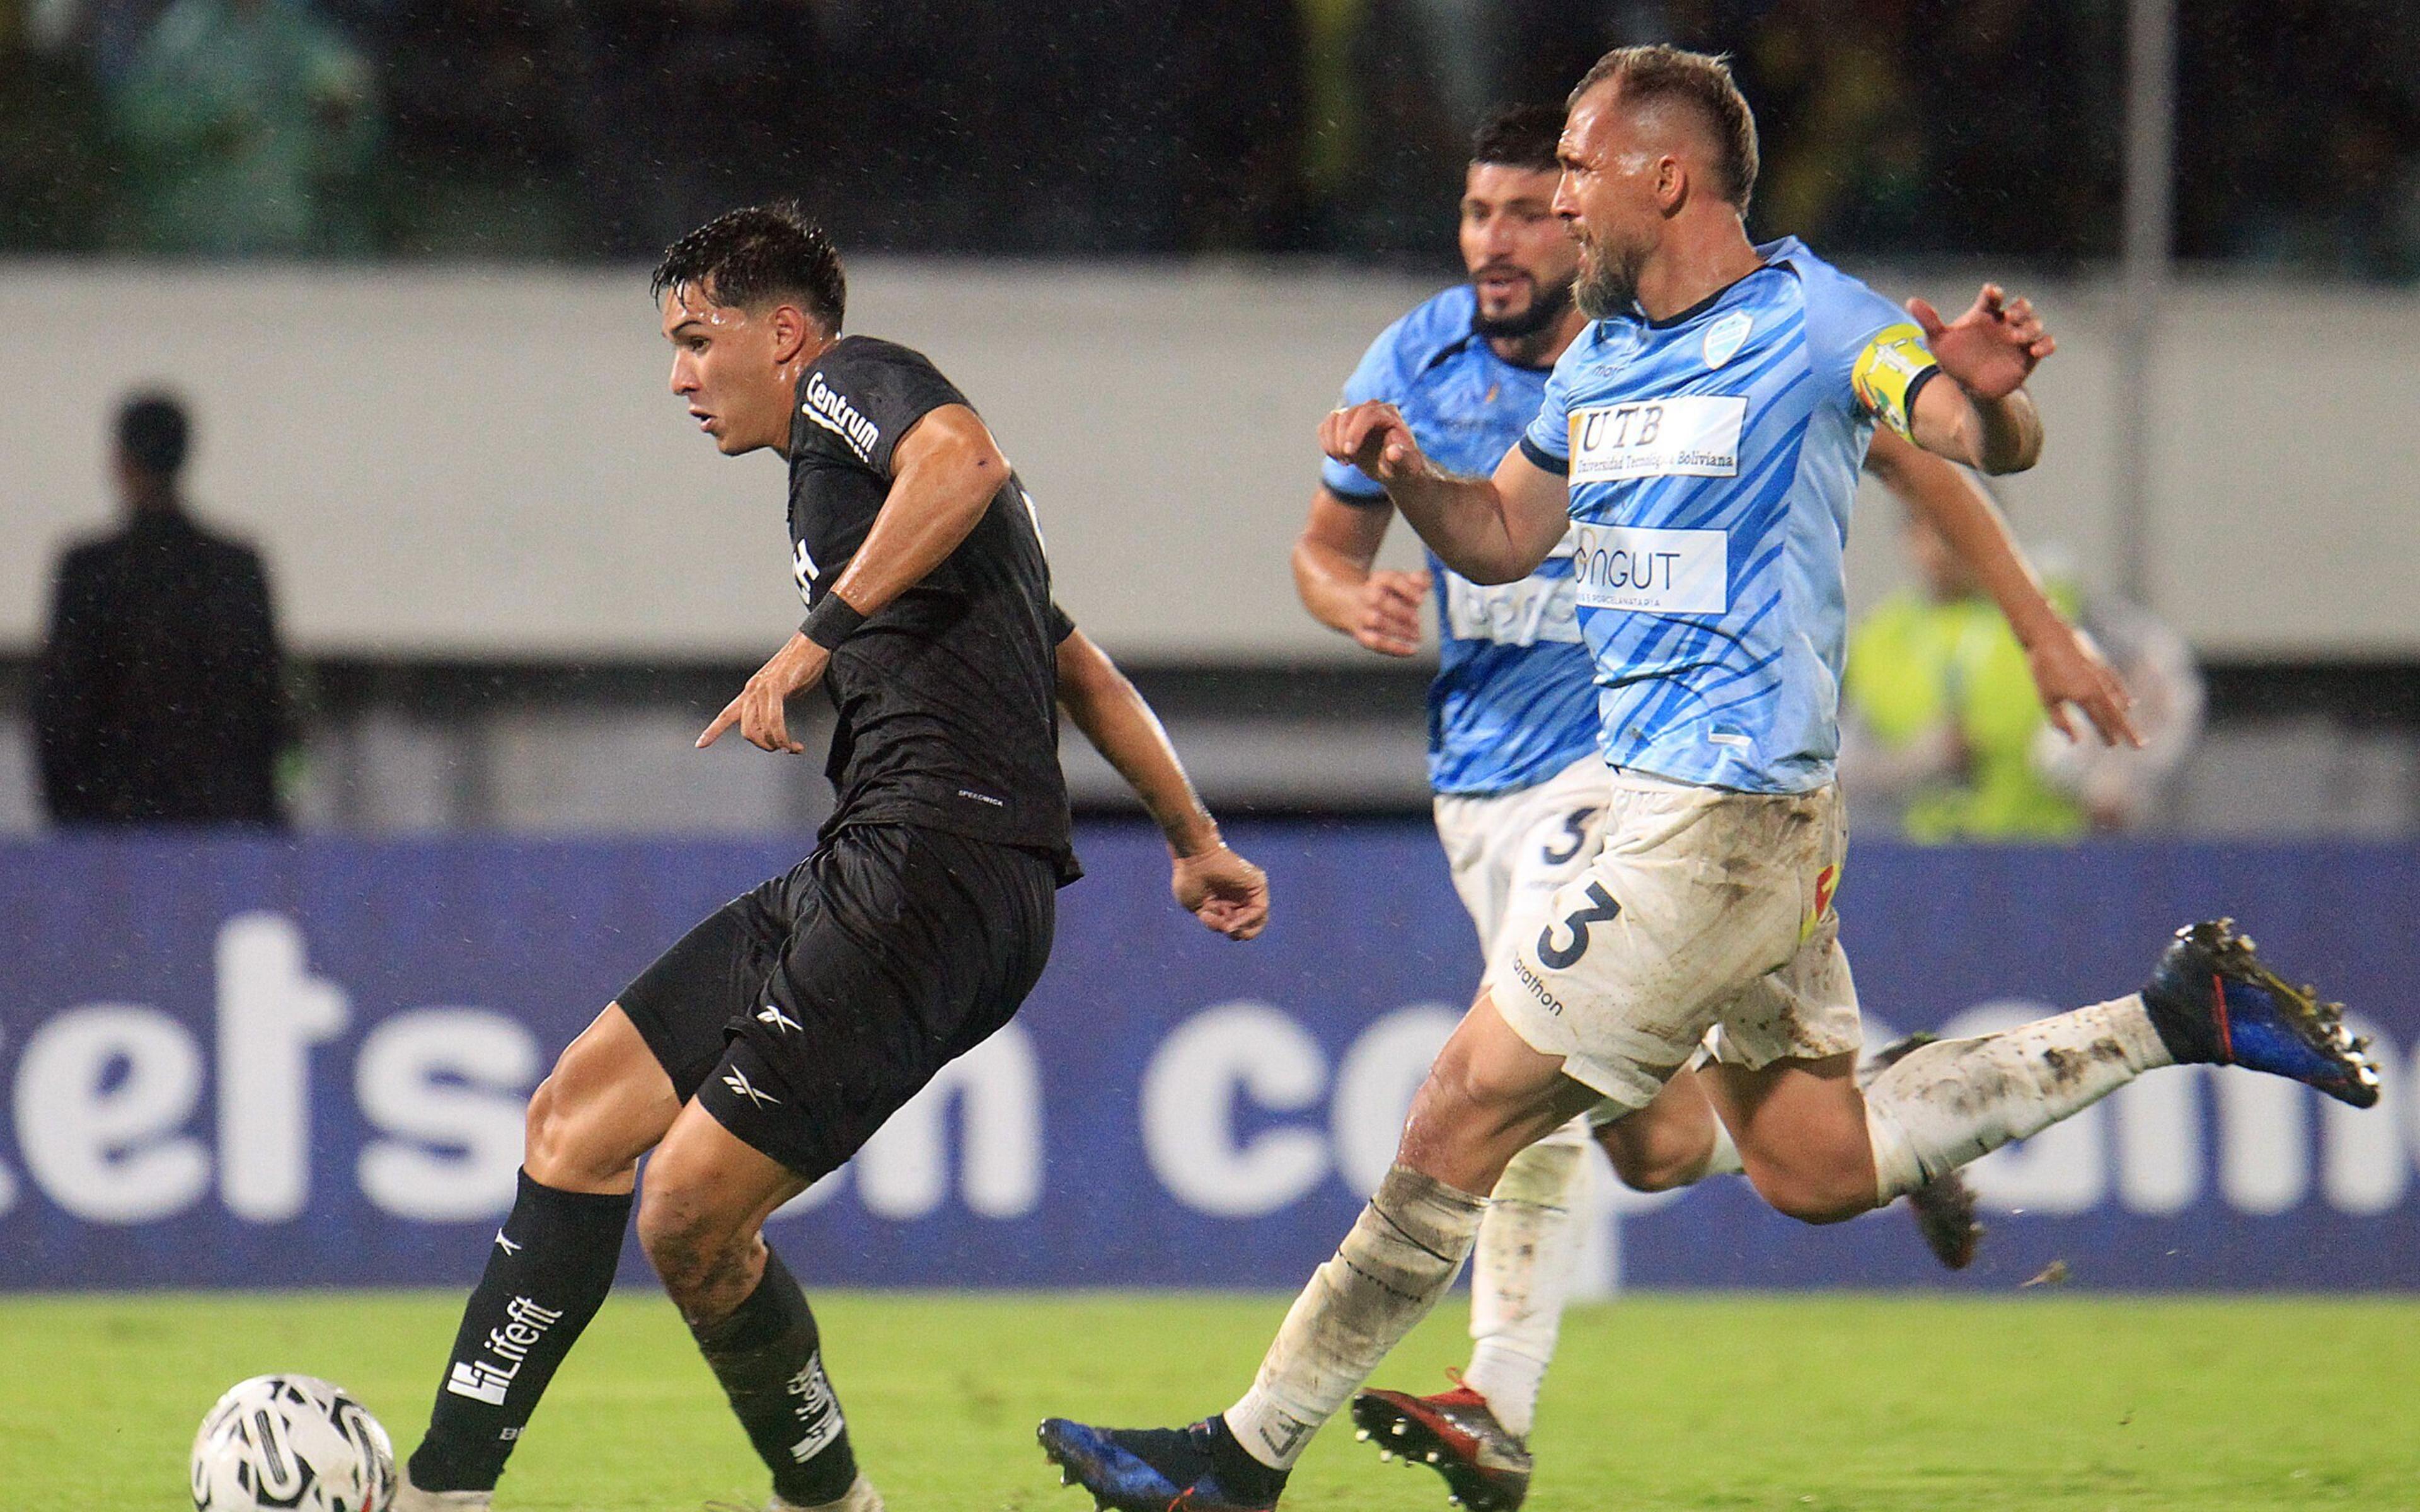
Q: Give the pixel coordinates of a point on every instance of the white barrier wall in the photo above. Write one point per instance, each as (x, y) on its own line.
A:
(487, 462)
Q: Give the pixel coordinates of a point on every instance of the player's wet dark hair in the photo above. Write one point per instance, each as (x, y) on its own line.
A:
(154, 433)
(1703, 81)
(743, 257)
(1519, 136)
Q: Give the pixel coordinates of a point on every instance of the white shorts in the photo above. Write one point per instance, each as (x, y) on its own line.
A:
(1508, 851)
(1704, 910)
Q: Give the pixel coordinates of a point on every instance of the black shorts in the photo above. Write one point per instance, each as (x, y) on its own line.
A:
(802, 1013)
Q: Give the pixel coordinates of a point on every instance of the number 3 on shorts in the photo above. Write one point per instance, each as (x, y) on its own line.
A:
(1602, 907)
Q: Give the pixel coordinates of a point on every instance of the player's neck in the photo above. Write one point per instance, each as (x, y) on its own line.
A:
(1695, 264)
(791, 373)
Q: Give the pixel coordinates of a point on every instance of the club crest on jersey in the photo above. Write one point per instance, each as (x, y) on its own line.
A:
(828, 408)
(1725, 337)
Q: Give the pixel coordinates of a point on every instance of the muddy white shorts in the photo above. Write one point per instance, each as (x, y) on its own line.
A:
(1703, 910)
(1510, 851)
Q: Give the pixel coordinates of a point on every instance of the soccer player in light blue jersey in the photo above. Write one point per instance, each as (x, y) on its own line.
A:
(1703, 437)
(1514, 760)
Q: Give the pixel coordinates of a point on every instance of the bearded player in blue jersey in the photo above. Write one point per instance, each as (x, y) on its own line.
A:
(1514, 759)
(1703, 435)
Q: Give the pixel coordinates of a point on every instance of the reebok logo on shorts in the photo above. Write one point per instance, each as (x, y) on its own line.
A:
(775, 1018)
(737, 1080)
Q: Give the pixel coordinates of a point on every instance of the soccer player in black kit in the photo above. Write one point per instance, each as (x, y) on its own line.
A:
(762, 1050)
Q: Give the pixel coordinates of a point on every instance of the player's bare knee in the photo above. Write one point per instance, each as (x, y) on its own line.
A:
(682, 1241)
(1654, 1168)
(571, 1153)
(1814, 1196)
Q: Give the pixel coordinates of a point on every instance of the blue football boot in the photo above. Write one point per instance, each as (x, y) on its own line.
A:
(1160, 1470)
(2215, 1004)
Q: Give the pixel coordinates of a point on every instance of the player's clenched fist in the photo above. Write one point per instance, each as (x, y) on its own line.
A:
(1387, 611)
(1374, 438)
(1223, 890)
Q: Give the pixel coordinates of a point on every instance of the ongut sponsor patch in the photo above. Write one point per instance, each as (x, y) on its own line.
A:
(1694, 435)
(1669, 572)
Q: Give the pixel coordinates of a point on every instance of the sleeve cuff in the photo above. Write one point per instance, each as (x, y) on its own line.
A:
(1915, 386)
(1561, 466)
(831, 622)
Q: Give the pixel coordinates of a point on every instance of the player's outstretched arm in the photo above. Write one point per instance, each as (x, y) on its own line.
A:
(943, 475)
(1491, 530)
(2067, 671)
(1983, 417)
(1212, 883)
(1335, 573)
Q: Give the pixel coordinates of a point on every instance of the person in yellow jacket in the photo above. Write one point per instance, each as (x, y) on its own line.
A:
(1940, 719)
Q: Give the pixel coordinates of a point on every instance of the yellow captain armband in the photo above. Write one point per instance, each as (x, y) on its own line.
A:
(1893, 367)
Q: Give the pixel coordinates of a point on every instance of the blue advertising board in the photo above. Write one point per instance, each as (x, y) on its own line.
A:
(230, 1062)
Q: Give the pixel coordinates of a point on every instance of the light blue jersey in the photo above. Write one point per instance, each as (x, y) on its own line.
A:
(1712, 458)
(1514, 701)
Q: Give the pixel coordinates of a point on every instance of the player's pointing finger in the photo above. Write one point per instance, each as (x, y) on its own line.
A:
(729, 717)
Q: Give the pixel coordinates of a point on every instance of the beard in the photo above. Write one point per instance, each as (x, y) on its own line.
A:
(1608, 281)
(1546, 305)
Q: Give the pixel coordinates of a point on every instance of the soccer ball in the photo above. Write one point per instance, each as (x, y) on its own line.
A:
(292, 1442)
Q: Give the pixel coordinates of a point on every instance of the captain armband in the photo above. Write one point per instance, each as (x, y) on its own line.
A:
(1894, 367)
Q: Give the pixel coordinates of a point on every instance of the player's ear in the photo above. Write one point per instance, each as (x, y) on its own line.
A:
(792, 330)
(1671, 182)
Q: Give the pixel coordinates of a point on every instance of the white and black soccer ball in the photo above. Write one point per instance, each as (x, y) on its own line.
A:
(292, 1442)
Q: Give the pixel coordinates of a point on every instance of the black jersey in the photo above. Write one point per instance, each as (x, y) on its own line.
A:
(948, 697)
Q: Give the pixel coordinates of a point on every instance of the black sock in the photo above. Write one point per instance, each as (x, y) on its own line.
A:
(548, 1272)
(769, 1360)
(1237, 1469)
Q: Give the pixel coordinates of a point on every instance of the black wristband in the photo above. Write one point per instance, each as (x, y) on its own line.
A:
(831, 622)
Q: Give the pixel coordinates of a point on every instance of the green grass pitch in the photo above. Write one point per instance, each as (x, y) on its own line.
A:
(2036, 1402)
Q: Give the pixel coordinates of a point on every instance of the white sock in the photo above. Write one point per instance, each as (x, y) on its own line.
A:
(1521, 1274)
(1399, 1260)
(1725, 1161)
(1956, 1100)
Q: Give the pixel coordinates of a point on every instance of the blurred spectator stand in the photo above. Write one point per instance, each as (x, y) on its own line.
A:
(249, 125)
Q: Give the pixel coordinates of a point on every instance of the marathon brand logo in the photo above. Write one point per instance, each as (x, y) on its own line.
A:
(1688, 435)
(816, 1409)
(1537, 986)
(827, 407)
(1664, 572)
(489, 1376)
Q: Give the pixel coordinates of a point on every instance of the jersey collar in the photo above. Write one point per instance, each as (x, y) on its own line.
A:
(1772, 254)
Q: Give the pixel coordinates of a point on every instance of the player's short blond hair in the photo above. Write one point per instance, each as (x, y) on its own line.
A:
(1703, 81)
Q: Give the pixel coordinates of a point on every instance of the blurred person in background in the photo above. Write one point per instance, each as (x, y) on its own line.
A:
(250, 124)
(160, 695)
(1942, 730)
